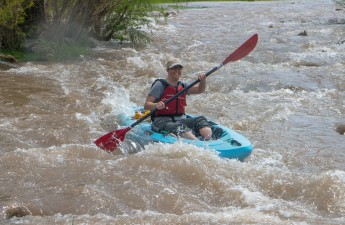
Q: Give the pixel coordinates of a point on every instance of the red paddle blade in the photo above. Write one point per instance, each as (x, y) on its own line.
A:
(110, 141)
(243, 50)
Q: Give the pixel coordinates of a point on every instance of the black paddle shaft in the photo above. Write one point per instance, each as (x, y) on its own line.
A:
(175, 96)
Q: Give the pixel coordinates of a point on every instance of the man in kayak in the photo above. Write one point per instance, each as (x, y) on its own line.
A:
(171, 118)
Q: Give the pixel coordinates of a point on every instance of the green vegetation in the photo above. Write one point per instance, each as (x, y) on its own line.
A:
(46, 29)
(49, 51)
(12, 18)
(63, 29)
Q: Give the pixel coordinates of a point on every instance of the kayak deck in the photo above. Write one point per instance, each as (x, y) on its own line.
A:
(229, 145)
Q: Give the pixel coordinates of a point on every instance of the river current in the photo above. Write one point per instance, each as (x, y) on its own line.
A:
(287, 97)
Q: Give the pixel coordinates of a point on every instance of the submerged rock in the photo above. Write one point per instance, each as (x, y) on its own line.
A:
(21, 210)
(340, 128)
(8, 58)
(7, 65)
(304, 33)
(7, 62)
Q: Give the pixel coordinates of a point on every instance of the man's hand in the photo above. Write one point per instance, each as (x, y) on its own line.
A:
(160, 105)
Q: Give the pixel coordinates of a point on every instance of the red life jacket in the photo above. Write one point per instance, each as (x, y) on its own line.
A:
(175, 107)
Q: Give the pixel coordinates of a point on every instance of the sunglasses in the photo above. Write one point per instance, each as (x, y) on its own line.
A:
(176, 68)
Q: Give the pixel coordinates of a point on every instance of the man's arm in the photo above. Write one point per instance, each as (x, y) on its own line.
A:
(200, 88)
(150, 103)
(155, 94)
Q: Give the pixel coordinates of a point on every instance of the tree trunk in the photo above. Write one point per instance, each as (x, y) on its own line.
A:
(35, 16)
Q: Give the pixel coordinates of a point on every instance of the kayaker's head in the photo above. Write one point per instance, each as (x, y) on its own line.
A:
(174, 63)
(174, 68)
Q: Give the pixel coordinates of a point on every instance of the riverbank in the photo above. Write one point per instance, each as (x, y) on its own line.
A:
(46, 51)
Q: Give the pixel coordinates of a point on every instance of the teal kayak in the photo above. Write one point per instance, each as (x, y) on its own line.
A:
(230, 144)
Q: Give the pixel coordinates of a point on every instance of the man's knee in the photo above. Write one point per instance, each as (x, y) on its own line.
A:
(201, 122)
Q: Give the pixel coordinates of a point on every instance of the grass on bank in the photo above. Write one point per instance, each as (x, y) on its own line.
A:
(56, 52)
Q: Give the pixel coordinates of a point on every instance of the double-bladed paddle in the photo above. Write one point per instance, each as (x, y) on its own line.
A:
(110, 141)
